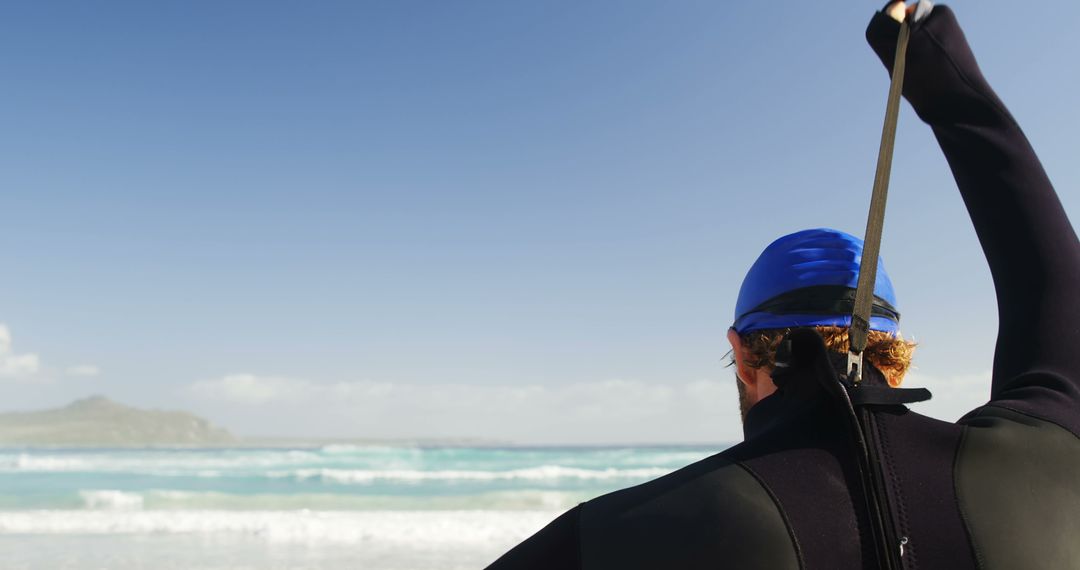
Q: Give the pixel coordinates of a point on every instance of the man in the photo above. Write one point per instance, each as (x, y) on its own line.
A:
(833, 475)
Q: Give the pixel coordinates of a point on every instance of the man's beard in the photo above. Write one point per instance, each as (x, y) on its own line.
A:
(744, 398)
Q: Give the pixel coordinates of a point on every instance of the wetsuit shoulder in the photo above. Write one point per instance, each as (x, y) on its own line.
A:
(554, 547)
(1016, 487)
(712, 510)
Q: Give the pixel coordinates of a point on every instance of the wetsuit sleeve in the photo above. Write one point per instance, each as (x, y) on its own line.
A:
(554, 547)
(1031, 247)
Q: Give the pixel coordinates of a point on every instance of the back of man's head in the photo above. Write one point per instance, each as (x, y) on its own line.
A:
(808, 279)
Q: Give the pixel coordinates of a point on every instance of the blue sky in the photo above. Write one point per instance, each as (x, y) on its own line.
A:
(514, 220)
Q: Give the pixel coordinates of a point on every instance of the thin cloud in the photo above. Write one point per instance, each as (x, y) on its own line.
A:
(14, 365)
(84, 370)
(249, 389)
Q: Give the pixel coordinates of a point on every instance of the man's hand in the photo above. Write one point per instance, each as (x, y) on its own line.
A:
(899, 10)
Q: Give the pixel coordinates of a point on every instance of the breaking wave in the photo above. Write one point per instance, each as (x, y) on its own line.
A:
(111, 500)
(179, 500)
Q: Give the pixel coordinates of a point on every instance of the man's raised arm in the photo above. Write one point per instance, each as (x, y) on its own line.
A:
(1029, 243)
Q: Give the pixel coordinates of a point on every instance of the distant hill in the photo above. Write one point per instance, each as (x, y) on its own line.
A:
(100, 421)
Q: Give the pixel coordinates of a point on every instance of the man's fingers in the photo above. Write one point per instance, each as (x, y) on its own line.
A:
(898, 10)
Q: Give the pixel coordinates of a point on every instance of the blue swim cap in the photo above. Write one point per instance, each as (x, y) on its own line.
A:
(807, 279)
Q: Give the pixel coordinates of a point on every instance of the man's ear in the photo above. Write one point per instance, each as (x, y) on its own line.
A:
(746, 374)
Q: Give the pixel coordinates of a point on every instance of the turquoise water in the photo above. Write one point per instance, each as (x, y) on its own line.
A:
(331, 477)
(330, 507)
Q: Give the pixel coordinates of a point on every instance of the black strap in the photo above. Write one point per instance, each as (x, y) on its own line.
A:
(864, 293)
(822, 300)
(888, 396)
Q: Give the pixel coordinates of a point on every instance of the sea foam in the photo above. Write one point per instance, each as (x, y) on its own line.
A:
(111, 500)
(541, 473)
(433, 528)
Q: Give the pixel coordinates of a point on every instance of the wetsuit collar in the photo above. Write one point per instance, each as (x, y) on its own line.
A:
(801, 387)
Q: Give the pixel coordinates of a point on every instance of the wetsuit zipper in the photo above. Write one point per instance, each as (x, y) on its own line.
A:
(888, 540)
(871, 476)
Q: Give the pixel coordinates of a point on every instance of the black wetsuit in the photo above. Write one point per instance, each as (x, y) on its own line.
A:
(999, 489)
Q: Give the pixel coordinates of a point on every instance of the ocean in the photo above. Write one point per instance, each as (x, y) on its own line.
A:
(319, 508)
